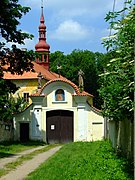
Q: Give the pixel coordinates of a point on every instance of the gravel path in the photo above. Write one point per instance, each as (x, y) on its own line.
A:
(27, 167)
(4, 161)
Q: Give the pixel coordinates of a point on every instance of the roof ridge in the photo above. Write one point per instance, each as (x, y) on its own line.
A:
(63, 80)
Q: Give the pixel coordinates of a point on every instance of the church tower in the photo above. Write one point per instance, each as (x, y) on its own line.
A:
(42, 48)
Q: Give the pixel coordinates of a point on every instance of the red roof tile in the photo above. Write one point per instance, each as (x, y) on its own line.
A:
(48, 75)
(95, 109)
(25, 75)
(78, 93)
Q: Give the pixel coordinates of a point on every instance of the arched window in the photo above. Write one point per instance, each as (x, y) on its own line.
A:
(59, 95)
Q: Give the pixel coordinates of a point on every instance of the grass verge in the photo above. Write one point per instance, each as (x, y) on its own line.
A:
(83, 160)
(10, 148)
(3, 172)
(20, 160)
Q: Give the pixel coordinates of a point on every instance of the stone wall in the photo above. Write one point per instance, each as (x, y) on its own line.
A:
(121, 136)
(6, 131)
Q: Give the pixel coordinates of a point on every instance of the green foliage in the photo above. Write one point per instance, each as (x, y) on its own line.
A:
(8, 104)
(17, 61)
(90, 63)
(12, 60)
(10, 14)
(11, 148)
(84, 160)
(118, 78)
(29, 156)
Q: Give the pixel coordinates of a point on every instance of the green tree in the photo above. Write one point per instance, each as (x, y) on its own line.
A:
(12, 59)
(18, 61)
(118, 77)
(90, 63)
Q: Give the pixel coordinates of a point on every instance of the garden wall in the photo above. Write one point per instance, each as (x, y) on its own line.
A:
(6, 131)
(121, 136)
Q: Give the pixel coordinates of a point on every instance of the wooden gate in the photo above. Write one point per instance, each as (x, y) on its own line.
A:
(59, 126)
(24, 132)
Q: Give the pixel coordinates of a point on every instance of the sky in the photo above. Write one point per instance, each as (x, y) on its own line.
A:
(71, 24)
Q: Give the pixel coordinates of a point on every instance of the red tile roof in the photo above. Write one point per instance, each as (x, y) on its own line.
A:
(84, 93)
(48, 75)
(25, 75)
(62, 79)
(95, 109)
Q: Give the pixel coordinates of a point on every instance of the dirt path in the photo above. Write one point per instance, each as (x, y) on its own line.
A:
(27, 167)
(4, 161)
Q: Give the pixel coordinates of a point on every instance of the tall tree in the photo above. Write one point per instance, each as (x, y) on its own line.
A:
(17, 60)
(12, 59)
(118, 87)
(90, 63)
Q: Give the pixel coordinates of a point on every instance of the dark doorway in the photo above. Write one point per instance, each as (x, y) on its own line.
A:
(59, 126)
(24, 132)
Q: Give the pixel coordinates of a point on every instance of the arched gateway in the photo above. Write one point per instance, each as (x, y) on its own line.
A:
(59, 126)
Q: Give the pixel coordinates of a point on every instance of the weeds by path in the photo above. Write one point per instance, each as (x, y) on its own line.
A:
(22, 159)
(84, 160)
(10, 148)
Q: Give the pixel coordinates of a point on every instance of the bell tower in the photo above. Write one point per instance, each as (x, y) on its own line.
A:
(42, 48)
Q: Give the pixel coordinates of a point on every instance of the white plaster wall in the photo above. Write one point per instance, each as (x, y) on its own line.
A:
(82, 123)
(50, 92)
(25, 116)
(88, 124)
(96, 126)
(75, 124)
(43, 131)
(113, 132)
(36, 124)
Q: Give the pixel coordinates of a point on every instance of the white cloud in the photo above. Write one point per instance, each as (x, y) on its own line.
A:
(89, 8)
(78, 6)
(75, 3)
(71, 21)
(70, 31)
(64, 13)
(66, 7)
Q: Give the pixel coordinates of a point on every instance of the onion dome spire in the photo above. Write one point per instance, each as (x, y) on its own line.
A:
(42, 48)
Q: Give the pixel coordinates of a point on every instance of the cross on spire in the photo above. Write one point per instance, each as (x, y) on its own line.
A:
(41, 3)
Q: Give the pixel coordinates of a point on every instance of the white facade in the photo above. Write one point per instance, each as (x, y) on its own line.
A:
(88, 123)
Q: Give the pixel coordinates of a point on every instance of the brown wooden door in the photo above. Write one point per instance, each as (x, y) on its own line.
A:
(66, 122)
(53, 127)
(59, 126)
(24, 132)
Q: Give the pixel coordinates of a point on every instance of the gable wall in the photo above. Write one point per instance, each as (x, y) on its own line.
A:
(50, 92)
(26, 86)
(25, 116)
(96, 126)
(88, 124)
